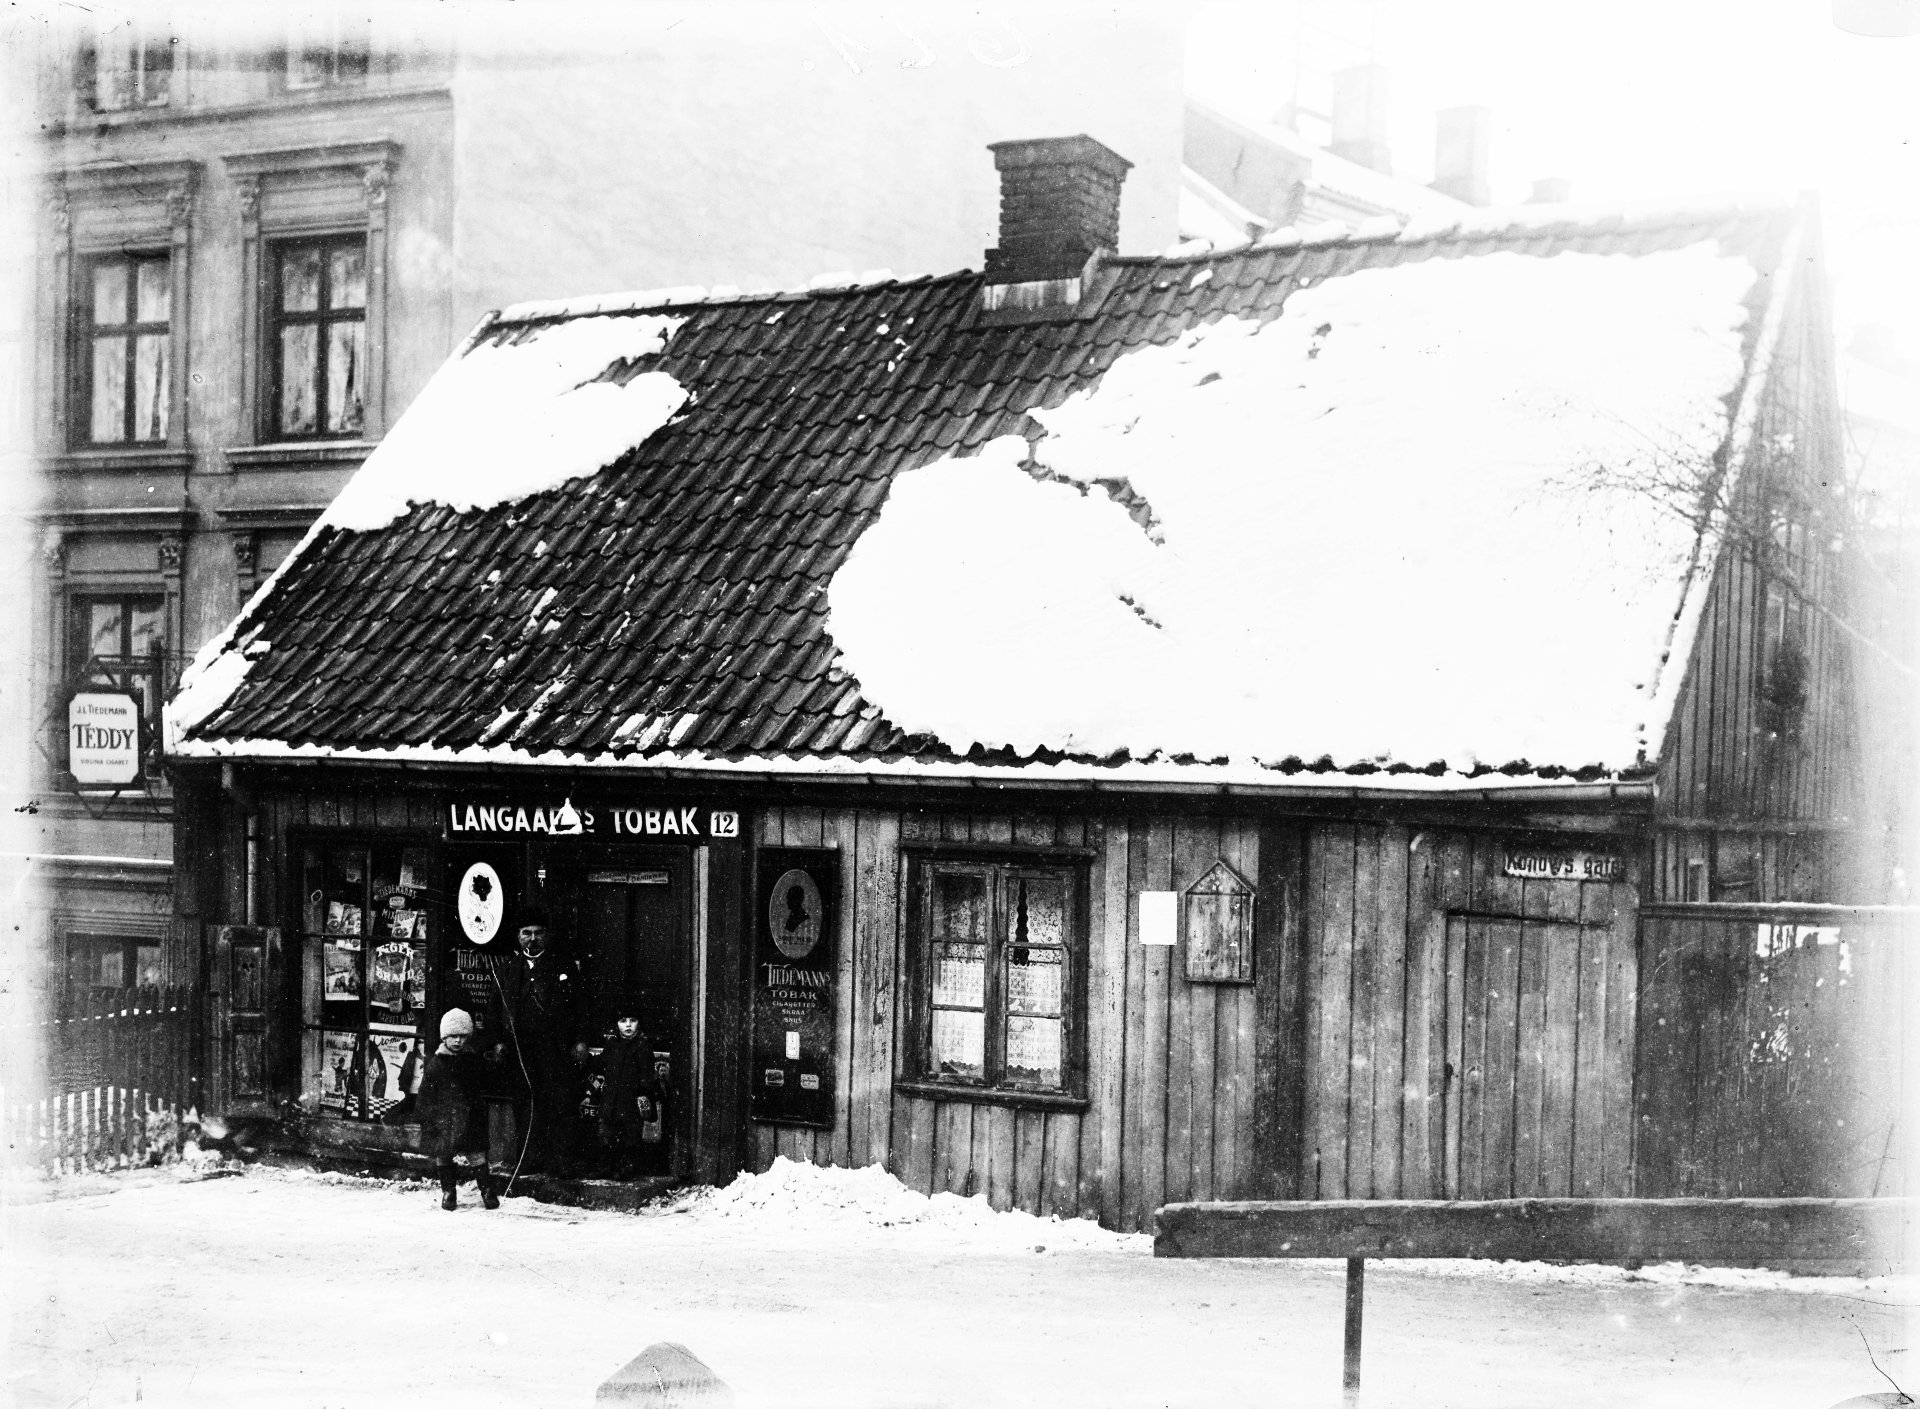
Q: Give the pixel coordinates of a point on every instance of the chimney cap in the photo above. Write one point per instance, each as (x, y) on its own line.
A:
(1052, 151)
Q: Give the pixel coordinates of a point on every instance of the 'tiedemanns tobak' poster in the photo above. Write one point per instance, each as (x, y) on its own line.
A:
(796, 926)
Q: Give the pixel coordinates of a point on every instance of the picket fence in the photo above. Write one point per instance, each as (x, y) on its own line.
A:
(117, 1078)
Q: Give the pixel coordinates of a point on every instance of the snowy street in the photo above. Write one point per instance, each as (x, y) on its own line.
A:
(805, 1287)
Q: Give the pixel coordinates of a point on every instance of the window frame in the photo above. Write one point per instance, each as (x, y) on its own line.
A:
(96, 944)
(102, 210)
(916, 1073)
(86, 332)
(336, 36)
(145, 677)
(288, 196)
(323, 319)
(138, 44)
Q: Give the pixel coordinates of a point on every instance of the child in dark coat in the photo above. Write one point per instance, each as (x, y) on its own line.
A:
(453, 1113)
(631, 1096)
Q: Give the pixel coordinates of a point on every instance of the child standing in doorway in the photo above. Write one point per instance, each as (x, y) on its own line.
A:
(630, 1095)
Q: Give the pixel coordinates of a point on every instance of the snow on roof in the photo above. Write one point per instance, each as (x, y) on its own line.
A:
(512, 418)
(1264, 540)
(1374, 435)
(1207, 212)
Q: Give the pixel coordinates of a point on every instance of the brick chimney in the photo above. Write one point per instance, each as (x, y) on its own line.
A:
(1463, 139)
(1059, 202)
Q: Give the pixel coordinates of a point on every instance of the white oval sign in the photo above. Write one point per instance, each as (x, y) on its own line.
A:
(793, 914)
(482, 902)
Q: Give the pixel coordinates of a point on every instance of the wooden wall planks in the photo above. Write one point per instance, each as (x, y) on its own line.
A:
(1776, 1076)
(1721, 759)
(1184, 1082)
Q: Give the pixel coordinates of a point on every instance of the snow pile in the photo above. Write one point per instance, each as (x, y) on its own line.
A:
(813, 1198)
(1402, 522)
(512, 419)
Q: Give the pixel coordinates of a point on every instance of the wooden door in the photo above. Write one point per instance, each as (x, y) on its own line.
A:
(1531, 1041)
(245, 957)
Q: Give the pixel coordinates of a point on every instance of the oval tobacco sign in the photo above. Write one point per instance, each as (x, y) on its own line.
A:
(482, 903)
(793, 914)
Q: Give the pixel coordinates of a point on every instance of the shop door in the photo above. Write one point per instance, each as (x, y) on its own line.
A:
(633, 916)
(1533, 1047)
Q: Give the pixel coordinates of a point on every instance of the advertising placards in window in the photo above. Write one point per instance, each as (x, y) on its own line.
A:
(796, 923)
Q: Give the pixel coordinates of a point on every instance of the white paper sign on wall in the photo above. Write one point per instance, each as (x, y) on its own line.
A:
(103, 739)
(1159, 916)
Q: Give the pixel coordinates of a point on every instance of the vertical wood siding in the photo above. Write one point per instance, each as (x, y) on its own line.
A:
(1719, 762)
(1175, 1106)
(1779, 1076)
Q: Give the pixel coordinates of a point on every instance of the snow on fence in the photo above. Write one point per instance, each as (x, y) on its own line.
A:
(117, 1075)
(109, 1127)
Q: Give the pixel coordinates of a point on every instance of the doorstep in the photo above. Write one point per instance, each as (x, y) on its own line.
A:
(626, 1195)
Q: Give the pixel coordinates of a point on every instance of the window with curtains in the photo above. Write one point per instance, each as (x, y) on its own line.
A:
(1000, 953)
(128, 357)
(112, 961)
(117, 642)
(120, 640)
(318, 336)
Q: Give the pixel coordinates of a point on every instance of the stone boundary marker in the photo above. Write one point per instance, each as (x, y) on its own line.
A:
(665, 1376)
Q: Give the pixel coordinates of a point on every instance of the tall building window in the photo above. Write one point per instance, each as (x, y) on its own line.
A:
(130, 339)
(112, 961)
(126, 65)
(319, 315)
(120, 640)
(326, 48)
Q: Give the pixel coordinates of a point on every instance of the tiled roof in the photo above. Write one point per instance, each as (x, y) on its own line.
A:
(679, 600)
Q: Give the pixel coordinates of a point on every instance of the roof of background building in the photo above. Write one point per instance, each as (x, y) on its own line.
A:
(671, 609)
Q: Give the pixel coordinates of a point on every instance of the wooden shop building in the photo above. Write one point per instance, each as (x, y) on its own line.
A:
(1084, 981)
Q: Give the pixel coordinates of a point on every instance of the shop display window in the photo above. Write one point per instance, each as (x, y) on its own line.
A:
(365, 923)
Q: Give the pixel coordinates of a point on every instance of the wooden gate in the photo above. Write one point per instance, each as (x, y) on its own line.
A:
(1530, 1041)
(1779, 1050)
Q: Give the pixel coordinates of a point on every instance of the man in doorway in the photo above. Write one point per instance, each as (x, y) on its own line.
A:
(535, 1023)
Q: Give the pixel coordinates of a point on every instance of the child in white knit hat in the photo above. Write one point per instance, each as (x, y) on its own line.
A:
(453, 1113)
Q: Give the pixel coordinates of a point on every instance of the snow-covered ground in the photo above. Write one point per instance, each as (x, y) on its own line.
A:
(807, 1287)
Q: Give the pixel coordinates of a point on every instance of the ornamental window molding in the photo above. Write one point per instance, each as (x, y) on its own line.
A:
(306, 193)
(115, 212)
